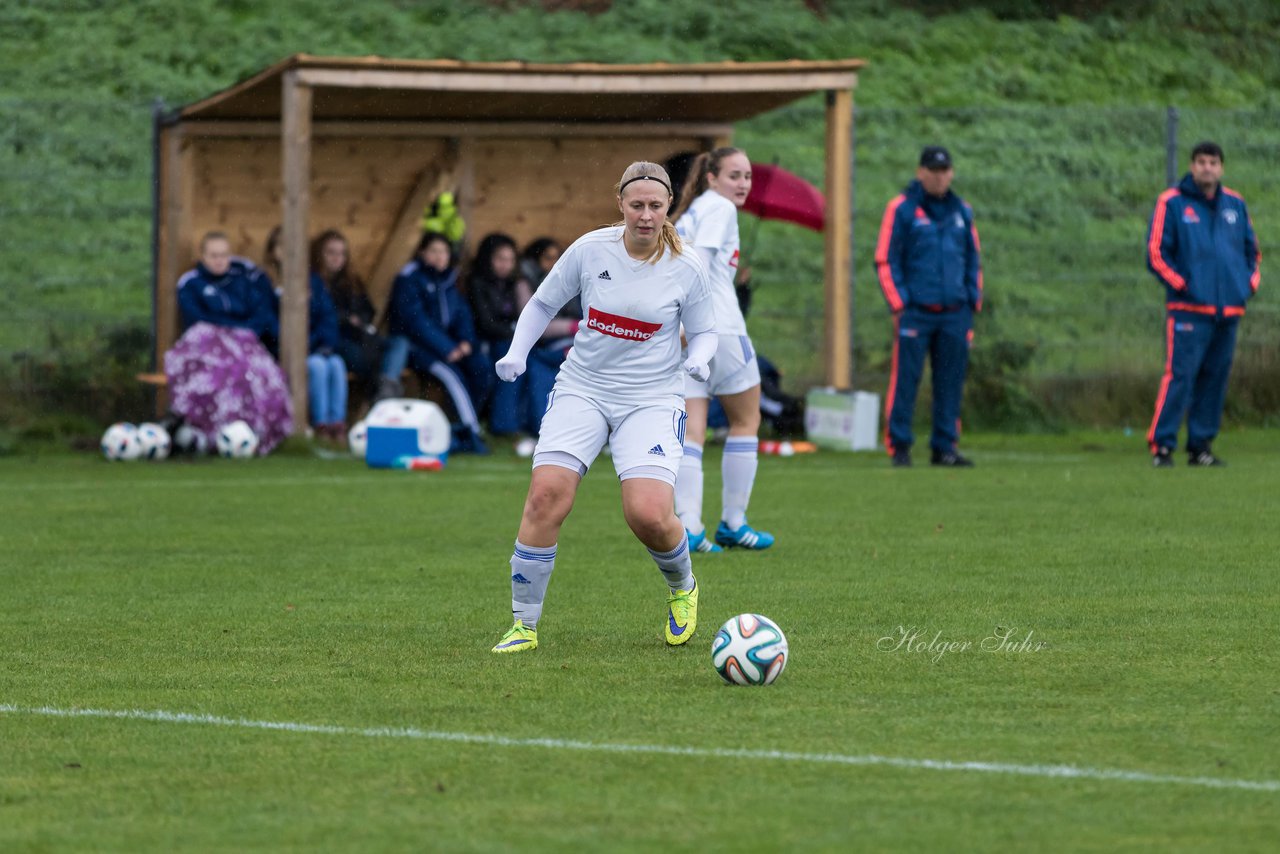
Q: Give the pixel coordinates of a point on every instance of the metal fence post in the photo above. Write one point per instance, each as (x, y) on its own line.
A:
(1171, 146)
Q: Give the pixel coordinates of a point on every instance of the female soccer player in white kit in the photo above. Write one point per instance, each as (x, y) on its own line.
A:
(707, 221)
(622, 383)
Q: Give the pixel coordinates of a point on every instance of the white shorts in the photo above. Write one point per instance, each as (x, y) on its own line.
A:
(733, 369)
(645, 440)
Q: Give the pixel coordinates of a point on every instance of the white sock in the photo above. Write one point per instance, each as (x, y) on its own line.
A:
(689, 489)
(530, 571)
(676, 566)
(738, 468)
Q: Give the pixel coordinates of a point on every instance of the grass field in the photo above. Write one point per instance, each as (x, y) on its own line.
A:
(334, 624)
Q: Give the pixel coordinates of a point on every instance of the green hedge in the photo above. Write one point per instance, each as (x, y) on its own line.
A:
(1056, 122)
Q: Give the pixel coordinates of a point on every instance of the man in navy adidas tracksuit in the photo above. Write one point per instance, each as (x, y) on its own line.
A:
(928, 266)
(1202, 246)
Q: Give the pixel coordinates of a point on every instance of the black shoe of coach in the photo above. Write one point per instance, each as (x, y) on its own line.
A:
(950, 458)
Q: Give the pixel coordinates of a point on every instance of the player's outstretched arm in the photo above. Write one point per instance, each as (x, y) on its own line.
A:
(529, 328)
(701, 348)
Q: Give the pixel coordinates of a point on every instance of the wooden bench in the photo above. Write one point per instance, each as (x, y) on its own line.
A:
(427, 389)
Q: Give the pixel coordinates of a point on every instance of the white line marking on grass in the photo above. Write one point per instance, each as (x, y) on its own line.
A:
(1058, 771)
(392, 479)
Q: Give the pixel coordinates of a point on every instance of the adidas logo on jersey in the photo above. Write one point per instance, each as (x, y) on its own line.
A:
(519, 578)
(657, 451)
(605, 276)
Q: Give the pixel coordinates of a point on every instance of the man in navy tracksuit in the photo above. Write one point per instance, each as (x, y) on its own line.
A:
(1201, 245)
(928, 265)
(228, 291)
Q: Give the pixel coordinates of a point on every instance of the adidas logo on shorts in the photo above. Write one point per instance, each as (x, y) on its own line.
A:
(605, 275)
(657, 451)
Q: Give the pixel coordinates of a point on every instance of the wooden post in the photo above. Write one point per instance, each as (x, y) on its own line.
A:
(465, 166)
(836, 340)
(175, 244)
(434, 179)
(295, 140)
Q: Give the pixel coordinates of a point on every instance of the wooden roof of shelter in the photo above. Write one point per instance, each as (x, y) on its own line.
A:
(420, 126)
(376, 89)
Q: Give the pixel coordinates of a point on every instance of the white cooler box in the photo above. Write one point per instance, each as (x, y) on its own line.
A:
(842, 420)
(402, 431)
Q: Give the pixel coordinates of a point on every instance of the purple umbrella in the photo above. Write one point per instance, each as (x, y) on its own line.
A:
(218, 375)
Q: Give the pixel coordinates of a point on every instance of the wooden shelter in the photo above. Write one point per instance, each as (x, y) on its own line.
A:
(364, 144)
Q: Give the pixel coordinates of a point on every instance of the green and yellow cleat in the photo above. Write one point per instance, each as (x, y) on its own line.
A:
(517, 639)
(682, 615)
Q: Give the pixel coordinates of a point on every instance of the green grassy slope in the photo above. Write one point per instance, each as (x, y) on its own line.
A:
(1057, 126)
(293, 590)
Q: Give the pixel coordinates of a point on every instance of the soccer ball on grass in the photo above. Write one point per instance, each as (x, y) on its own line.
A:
(120, 442)
(236, 441)
(749, 650)
(154, 440)
(358, 439)
(189, 440)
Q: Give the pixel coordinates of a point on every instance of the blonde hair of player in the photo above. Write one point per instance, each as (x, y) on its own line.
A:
(642, 171)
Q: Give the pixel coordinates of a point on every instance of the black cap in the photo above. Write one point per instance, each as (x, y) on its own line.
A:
(935, 157)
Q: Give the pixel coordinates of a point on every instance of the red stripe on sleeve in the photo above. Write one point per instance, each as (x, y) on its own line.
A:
(977, 244)
(1157, 237)
(883, 269)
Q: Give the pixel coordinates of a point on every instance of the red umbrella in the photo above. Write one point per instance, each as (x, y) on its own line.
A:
(779, 194)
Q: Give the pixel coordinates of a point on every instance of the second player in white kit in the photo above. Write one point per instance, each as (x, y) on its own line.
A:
(622, 383)
(707, 221)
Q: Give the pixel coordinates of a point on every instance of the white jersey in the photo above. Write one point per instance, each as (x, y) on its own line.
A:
(711, 222)
(627, 349)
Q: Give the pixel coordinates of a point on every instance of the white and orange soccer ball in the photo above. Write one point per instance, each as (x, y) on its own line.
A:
(749, 650)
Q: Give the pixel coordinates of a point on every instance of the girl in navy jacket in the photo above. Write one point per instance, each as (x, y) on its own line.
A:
(431, 330)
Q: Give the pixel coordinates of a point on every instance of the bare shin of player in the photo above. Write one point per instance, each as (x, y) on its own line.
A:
(552, 490)
(742, 409)
(649, 506)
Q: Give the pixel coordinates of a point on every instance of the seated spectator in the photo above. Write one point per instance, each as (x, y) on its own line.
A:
(359, 343)
(550, 352)
(326, 371)
(228, 291)
(781, 411)
(497, 295)
(431, 330)
(220, 370)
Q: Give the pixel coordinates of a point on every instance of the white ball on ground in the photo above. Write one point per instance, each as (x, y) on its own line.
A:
(237, 441)
(190, 441)
(358, 439)
(786, 449)
(525, 447)
(120, 442)
(749, 650)
(154, 440)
